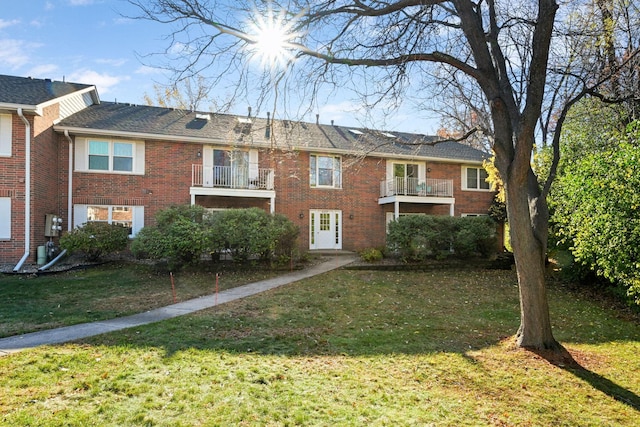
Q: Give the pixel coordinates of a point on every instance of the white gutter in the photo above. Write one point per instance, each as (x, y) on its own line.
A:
(70, 188)
(27, 190)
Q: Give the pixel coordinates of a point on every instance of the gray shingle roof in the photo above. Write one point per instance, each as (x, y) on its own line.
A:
(28, 91)
(181, 125)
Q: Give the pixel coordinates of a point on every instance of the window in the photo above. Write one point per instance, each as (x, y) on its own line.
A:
(129, 217)
(325, 171)
(111, 156)
(5, 218)
(5, 135)
(475, 179)
(230, 168)
(117, 215)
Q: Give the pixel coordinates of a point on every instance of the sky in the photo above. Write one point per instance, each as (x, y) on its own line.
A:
(91, 42)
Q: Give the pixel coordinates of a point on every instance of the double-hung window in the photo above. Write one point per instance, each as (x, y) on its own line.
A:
(5, 218)
(110, 156)
(5, 135)
(475, 179)
(325, 171)
(129, 217)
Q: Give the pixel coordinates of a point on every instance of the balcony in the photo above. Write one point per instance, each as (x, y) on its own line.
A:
(416, 188)
(233, 178)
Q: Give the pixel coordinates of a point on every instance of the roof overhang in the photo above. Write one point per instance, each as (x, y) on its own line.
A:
(9, 107)
(38, 108)
(86, 132)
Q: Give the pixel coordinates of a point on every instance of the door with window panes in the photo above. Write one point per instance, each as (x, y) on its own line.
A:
(325, 229)
(406, 177)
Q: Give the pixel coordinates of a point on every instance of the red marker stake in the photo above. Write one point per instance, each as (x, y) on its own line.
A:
(217, 277)
(173, 288)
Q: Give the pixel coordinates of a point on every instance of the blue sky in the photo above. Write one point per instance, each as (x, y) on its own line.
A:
(89, 41)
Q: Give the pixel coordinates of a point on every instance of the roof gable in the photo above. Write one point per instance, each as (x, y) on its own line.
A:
(26, 91)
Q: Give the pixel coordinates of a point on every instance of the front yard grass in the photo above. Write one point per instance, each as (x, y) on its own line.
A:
(348, 348)
(31, 303)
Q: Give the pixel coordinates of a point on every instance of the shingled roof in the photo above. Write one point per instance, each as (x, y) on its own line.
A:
(32, 92)
(146, 122)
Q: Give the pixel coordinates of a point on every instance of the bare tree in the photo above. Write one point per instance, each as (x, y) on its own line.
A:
(515, 65)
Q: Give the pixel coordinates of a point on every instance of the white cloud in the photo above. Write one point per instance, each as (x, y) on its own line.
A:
(80, 2)
(5, 24)
(104, 82)
(116, 62)
(15, 53)
(44, 71)
(146, 70)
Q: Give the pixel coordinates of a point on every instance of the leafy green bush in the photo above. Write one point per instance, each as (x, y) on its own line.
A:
(185, 233)
(178, 237)
(371, 255)
(250, 233)
(421, 237)
(598, 214)
(96, 239)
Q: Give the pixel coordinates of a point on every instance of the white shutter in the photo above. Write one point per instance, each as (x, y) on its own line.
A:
(5, 135)
(138, 168)
(138, 220)
(207, 166)
(5, 218)
(81, 155)
(253, 164)
(79, 215)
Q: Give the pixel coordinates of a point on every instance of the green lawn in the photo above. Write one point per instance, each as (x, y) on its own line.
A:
(47, 301)
(354, 348)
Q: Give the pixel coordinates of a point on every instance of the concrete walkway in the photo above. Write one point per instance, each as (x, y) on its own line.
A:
(70, 333)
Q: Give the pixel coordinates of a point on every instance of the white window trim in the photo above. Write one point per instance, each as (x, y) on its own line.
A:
(422, 168)
(464, 179)
(334, 186)
(137, 216)
(6, 135)
(82, 156)
(464, 215)
(5, 218)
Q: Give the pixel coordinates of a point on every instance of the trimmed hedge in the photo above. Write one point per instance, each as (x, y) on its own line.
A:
(185, 233)
(421, 237)
(96, 239)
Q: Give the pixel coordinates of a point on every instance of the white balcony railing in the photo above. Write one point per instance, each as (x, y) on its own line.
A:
(415, 187)
(231, 177)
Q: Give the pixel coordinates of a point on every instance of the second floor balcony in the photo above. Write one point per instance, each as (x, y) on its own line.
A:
(416, 187)
(231, 177)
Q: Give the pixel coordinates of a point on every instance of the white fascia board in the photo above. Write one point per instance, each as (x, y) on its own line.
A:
(391, 156)
(136, 135)
(94, 95)
(5, 106)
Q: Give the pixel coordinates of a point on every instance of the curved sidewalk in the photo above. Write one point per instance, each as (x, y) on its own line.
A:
(70, 333)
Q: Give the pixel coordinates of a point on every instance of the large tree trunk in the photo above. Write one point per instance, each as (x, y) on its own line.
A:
(528, 221)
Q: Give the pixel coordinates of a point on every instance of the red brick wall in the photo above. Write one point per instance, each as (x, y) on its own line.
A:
(12, 184)
(168, 178)
(45, 198)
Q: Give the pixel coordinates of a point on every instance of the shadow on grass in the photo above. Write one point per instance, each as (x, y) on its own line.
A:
(563, 359)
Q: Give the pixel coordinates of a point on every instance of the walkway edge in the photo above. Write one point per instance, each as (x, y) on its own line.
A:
(17, 343)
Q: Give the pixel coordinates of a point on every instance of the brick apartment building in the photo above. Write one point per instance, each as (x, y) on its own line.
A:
(66, 154)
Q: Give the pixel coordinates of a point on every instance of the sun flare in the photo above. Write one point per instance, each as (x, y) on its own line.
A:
(272, 39)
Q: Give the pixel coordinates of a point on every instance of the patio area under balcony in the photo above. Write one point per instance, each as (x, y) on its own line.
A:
(232, 181)
(413, 190)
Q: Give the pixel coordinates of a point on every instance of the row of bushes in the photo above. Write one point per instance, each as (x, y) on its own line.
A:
(421, 237)
(184, 233)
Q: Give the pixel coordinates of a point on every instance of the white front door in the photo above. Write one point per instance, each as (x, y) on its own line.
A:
(325, 229)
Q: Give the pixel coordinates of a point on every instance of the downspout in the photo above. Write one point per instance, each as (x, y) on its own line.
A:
(27, 190)
(70, 189)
